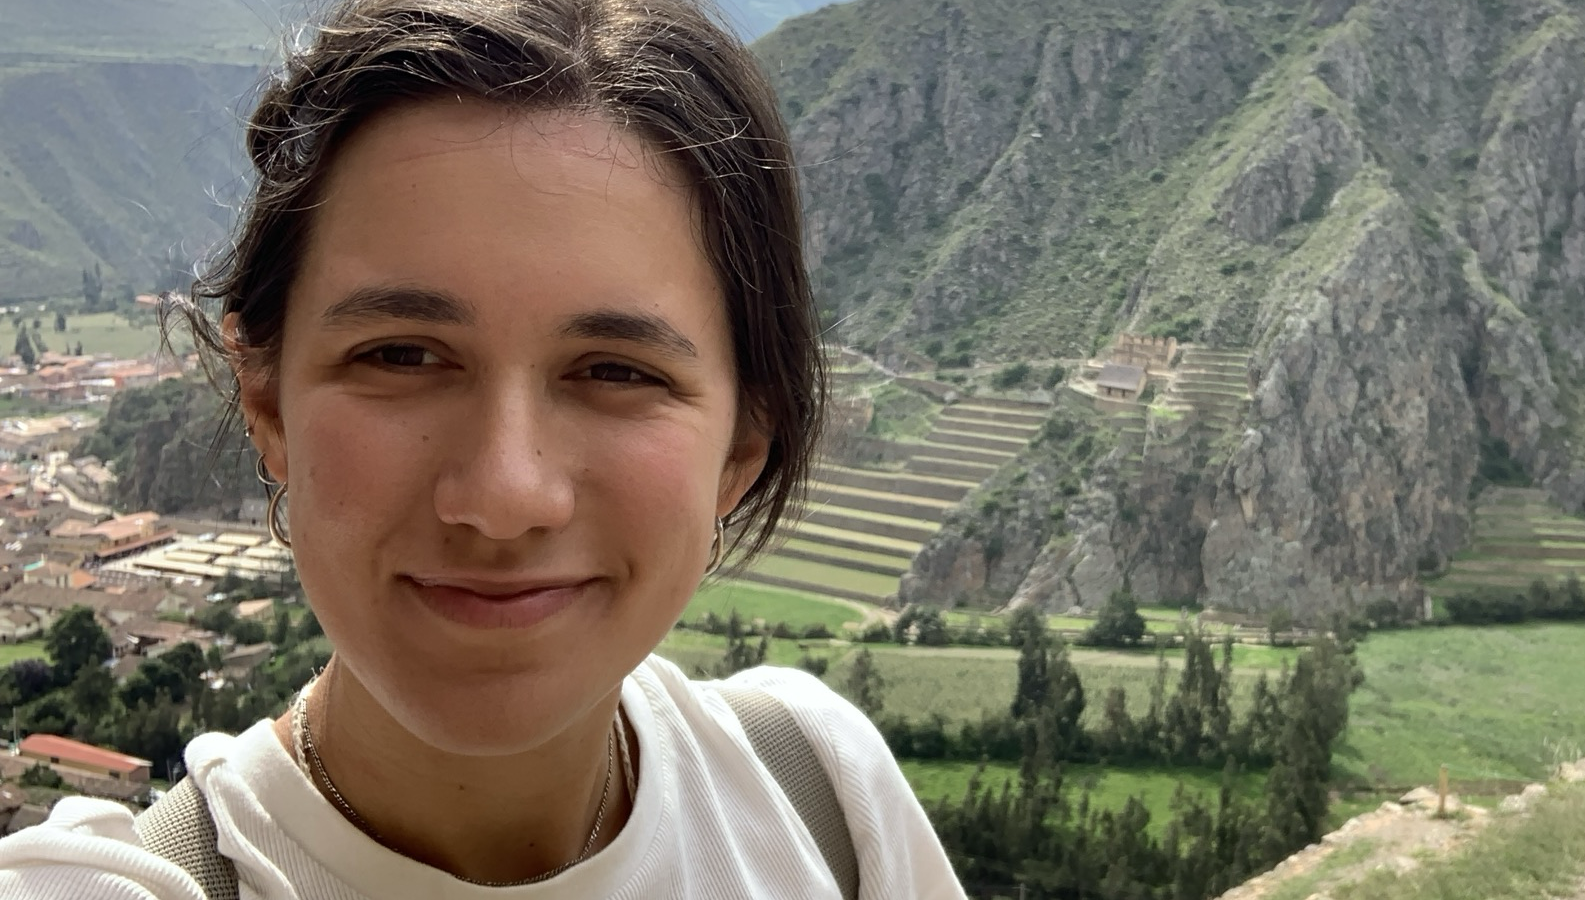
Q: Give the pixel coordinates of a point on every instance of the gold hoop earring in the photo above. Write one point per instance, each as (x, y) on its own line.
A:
(261, 471)
(271, 515)
(717, 548)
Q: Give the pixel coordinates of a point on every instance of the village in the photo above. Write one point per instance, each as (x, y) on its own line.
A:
(149, 581)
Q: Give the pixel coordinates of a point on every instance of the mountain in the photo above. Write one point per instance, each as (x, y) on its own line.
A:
(1370, 216)
(753, 18)
(121, 137)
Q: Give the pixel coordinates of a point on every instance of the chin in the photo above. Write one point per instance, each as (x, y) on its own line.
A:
(488, 713)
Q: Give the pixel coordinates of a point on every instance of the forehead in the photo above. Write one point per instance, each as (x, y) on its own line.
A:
(480, 199)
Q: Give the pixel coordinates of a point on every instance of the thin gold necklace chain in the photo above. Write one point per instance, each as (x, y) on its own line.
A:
(308, 756)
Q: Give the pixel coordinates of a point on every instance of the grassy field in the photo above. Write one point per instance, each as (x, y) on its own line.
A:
(10, 653)
(1108, 788)
(106, 333)
(693, 650)
(772, 605)
(1491, 703)
(962, 684)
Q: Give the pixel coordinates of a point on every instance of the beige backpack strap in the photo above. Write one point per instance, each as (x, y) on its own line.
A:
(179, 828)
(784, 749)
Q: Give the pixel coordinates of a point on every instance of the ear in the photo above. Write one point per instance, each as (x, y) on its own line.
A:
(257, 397)
(750, 451)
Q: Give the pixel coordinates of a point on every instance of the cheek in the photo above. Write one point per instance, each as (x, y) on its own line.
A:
(350, 467)
(663, 478)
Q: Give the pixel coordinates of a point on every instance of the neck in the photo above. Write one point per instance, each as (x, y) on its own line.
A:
(487, 819)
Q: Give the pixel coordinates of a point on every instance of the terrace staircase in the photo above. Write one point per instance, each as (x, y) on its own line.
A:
(863, 527)
(1518, 536)
(1211, 387)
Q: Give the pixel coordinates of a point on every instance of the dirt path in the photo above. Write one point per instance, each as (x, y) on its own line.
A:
(871, 614)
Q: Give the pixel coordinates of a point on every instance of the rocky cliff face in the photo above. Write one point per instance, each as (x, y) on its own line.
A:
(1384, 201)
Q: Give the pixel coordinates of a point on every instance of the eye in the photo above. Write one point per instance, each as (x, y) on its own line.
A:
(400, 356)
(619, 373)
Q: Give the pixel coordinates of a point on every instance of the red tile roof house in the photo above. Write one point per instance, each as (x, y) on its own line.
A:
(76, 760)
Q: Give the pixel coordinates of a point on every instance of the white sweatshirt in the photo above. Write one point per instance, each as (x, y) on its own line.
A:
(709, 820)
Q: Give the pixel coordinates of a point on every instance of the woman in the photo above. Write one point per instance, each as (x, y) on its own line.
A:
(519, 321)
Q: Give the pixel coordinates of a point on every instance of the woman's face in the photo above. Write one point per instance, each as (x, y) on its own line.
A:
(506, 409)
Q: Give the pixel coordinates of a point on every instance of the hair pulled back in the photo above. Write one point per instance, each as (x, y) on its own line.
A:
(662, 69)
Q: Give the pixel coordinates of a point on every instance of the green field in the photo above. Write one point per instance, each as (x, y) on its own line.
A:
(754, 602)
(693, 650)
(10, 653)
(107, 333)
(1109, 788)
(1491, 703)
(962, 684)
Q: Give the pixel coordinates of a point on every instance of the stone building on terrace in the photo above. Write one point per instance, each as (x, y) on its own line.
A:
(1144, 351)
(1120, 381)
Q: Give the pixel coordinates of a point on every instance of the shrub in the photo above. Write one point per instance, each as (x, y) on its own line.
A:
(41, 775)
(876, 633)
(814, 665)
(1012, 376)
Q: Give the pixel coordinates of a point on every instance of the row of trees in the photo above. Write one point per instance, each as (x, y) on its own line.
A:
(1117, 624)
(1194, 723)
(1043, 839)
(1542, 601)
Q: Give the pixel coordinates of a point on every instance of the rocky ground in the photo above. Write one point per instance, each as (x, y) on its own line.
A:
(1400, 835)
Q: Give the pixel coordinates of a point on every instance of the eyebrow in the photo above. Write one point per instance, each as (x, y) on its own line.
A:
(411, 303)
(638, 328)
(440, 308)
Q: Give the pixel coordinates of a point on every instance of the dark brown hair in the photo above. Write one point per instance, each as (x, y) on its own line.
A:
(662, 69)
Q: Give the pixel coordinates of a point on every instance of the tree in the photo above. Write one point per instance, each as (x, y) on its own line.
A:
(1279, 622)
(24, 348)
(1119, 624)
(93, 288)
(864, 684)
(1058, 722)
(187, 658)
(740, 654)
(153, 678)
(930, 629)
(31, 679)
(60, 320)
(153, 731)
(249, 631)
(280, 627)
(75, 642)
(309, 626)
(217, 617)
(1028, 634)
(49, 714)
(92, 692)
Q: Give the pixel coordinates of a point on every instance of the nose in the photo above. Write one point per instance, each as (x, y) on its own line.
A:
(505, 474)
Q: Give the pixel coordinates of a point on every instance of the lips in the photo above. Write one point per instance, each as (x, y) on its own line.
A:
(493, 604)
